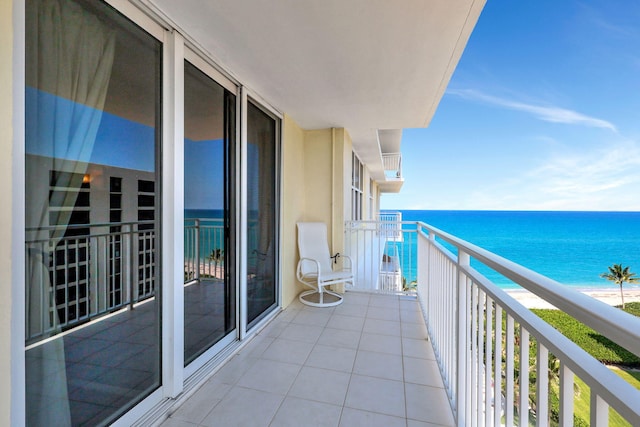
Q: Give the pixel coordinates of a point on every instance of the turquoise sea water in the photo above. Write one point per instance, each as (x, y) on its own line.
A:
(572, 248)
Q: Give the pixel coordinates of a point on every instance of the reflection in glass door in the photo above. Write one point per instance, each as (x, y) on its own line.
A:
(209, 296)
(92, 204)
(261, 214)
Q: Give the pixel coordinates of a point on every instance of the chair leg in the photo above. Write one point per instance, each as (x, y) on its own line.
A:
(325, 298)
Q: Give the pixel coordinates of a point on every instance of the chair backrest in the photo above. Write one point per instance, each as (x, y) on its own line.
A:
(313, 243)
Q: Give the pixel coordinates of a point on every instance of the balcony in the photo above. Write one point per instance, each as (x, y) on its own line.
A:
(442, 352)
(366, 362)
(422, 337)
(488, 346)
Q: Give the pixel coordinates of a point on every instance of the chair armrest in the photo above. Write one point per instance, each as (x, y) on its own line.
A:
(348, 265)
(299, 268)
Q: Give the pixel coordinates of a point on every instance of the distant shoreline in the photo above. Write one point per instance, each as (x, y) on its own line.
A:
(609, 295)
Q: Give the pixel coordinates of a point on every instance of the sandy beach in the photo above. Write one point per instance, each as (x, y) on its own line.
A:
(610, 296)
(207, 269)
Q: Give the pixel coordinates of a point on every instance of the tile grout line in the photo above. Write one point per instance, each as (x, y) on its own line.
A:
(344, 402)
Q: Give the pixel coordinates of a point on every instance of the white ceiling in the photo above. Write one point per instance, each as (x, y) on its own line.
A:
(359, 64)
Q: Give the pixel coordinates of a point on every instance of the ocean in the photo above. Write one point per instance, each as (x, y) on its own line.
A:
(573, 248)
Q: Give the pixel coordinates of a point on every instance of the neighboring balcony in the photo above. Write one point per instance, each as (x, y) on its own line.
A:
(392, 165)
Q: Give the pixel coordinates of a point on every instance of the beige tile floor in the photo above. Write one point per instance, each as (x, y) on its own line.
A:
(366, 362)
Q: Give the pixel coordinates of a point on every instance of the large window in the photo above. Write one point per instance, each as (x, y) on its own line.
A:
(372, 205)
(92, 213)
(261, 212)
(357, 178)
(209, 294)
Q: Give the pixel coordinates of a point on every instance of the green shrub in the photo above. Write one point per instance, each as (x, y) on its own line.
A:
(631, 308)
(598, 346)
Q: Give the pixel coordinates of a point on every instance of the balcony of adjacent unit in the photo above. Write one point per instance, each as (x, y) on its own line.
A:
(392, 163)
(383, 160)
(423, 338)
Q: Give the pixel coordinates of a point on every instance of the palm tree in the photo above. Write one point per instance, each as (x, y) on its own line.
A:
(216, 256)
(618, 275)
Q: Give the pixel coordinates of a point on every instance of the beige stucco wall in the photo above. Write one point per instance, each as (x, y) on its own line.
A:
(316, 186)
(318, 175)
(6, 138)
(344, 159)
(293, 199)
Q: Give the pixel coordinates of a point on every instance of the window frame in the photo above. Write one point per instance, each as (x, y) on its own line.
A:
(357, 178)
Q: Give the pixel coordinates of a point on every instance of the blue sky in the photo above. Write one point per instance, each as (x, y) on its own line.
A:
(542, 113)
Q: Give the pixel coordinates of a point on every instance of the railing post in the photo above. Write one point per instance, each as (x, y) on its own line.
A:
(542, 386)
(599, 415)
(462, 343)
(430, 245)
(197, 247)
(523, 406)
(566, 395)
(133, 263)
(98, 288)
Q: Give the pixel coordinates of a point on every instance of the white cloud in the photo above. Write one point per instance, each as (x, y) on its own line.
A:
(604, 179)
(546, 113)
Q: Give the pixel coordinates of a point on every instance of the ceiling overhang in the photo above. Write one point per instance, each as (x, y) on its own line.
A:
(361, 65)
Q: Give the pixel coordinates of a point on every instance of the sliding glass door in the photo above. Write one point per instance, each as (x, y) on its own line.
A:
(261, 212)
(209, 293)
(93, 205)
(92, 213)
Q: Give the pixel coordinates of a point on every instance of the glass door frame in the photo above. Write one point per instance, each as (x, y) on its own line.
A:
(205, 67)
(18, 285)
(246, 97)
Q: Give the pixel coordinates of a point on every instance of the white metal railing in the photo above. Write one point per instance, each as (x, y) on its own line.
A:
(77, 273)
(384, 254)
(203, 249)
(391, 217)
(484, 341)
(500, 363)
(392, 164)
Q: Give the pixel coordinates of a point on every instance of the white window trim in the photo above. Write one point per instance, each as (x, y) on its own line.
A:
(172, 175)
(205, 66)
(357, 191)
(17, 386)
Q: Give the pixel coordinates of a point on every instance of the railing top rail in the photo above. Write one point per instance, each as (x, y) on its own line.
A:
(375, 221)
(92, 225)
(617, 325)
(111, 224)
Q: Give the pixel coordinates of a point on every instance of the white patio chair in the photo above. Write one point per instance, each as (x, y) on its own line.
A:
(317, 268)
